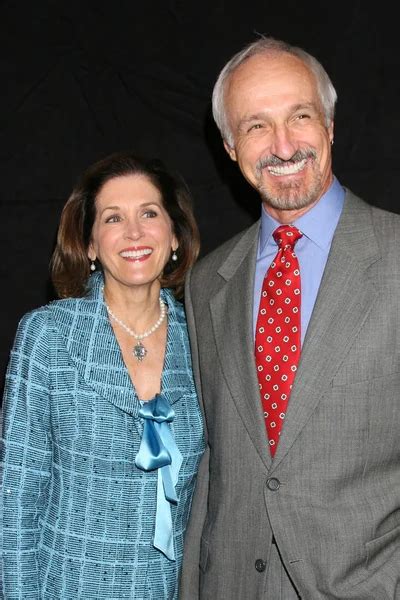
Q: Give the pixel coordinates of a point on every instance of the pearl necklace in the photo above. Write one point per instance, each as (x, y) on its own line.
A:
(139, 351)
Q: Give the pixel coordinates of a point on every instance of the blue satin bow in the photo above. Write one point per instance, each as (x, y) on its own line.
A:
(158, 450)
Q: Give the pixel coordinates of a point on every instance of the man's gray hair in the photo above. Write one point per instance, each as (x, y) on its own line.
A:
(268, 45)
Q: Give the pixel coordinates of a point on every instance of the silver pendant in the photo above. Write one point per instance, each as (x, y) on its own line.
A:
(139, 351)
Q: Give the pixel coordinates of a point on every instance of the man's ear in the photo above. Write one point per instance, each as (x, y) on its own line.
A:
(330, 130)
(230, 151)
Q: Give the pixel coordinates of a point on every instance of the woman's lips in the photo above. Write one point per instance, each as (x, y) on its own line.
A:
(136, 254)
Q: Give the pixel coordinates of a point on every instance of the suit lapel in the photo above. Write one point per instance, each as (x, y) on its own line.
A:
(232, 314)
(345, 298)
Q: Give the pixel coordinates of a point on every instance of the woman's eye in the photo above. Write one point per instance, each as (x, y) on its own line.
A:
(113, 219)
(150, 214)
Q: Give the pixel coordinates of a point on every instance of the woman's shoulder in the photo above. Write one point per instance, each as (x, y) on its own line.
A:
(33, 332)
(43, 312)
(52, 325)
(36, 318)
(175, 306)
(46, 316)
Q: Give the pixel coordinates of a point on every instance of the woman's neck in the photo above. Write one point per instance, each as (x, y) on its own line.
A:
(138, 306)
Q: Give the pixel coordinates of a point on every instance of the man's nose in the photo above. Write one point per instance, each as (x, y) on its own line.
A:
(283, 143)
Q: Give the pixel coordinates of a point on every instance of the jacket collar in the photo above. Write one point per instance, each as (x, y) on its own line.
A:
(85, 329)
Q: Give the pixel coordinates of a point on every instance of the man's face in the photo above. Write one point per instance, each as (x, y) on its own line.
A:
(280, 139)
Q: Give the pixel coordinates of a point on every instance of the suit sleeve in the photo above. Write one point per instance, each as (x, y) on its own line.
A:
(189, 585)
(26, 456)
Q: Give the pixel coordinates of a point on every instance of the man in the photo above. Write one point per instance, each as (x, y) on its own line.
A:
(303, 495)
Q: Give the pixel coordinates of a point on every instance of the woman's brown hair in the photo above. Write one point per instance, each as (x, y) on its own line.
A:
(70, 264)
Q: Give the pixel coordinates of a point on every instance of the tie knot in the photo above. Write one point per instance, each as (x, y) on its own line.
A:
(286, 235)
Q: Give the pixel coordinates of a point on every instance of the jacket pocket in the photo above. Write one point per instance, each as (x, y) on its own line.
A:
(366, 367)
(383, 549)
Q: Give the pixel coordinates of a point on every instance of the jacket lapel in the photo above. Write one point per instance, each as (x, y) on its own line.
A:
(95, 353)
(232, 314)
(93, 348)
(345, 298)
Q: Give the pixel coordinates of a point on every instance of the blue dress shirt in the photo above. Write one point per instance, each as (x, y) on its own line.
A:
(318, 227)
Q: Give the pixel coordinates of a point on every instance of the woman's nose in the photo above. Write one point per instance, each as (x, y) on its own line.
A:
(133, 229)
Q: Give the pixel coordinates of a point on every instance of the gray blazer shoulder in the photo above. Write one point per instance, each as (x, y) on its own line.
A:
(228, 255)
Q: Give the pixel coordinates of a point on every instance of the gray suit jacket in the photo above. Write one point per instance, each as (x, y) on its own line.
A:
(331, 496)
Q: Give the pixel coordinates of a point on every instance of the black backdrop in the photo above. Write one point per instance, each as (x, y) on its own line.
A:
(82, 80)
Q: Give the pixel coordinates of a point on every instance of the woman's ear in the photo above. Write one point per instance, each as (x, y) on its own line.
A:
(91, 253)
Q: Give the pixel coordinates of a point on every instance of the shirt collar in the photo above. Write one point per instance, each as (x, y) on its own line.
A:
(318, 224)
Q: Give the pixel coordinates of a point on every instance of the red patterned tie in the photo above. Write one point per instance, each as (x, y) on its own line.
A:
(277, 340)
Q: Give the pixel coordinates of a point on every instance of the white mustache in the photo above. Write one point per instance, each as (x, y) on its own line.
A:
(274, 161)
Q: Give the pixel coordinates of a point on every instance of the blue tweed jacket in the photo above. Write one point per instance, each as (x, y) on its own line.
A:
(78, 515)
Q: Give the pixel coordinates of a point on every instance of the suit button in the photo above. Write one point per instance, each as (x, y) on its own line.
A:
(260, 565)
(273, 484)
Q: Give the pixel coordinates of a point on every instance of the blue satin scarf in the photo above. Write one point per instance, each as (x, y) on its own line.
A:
(158, 450)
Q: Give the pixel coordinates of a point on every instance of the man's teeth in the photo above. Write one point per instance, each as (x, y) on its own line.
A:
(136, 253)
(287, 169)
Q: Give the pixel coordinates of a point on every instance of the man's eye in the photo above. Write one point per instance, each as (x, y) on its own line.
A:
(303, 116)
(255, 126)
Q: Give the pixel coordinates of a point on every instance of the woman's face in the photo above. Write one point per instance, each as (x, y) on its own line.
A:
(132, 234)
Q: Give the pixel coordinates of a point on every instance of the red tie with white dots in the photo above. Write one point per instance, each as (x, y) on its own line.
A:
(277, 340)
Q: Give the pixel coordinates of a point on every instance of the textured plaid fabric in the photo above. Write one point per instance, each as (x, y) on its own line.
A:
(78, 516)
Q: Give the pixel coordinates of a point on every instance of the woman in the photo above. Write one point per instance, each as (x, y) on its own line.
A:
(102, 429)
